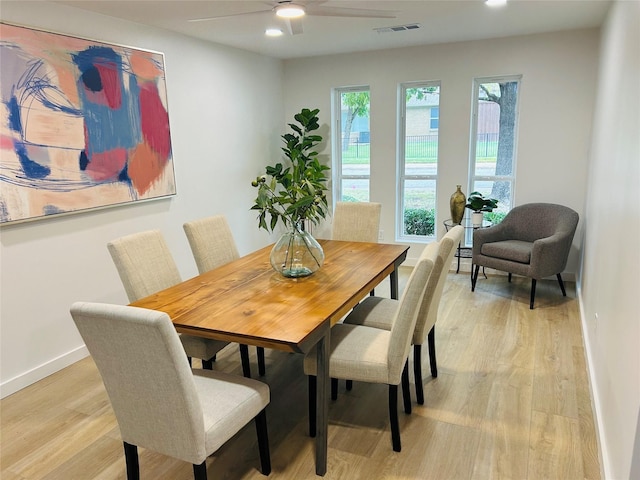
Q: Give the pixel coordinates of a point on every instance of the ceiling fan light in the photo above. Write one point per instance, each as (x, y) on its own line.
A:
(273, 32)
(289, 10)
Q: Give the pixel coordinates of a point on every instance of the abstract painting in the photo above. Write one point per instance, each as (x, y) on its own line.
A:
(84, 125)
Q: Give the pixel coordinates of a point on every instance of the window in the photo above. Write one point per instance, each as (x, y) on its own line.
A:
(418, 160)
(493, 142)
(351, 144)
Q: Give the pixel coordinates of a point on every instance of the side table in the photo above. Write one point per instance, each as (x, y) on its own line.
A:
(465, 252)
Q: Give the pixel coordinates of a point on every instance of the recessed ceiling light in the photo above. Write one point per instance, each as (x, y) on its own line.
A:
(495, 3)
(289, 10)
(273, 32)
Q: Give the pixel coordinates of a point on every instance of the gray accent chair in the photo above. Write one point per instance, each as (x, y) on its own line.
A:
(212, 245)
(159, 402)
(533, 240)
(374, 355)
(378, 312)
(146, 266)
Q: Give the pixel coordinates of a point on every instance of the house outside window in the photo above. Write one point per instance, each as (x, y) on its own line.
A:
(351, 144)
(417, 161)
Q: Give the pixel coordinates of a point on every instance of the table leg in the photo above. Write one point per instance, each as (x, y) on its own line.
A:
(393, 280)
(322, 399)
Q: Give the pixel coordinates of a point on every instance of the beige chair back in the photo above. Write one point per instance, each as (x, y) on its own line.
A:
(428, 313)
(211, 242)
(147, 378)
(356, 221)
(144, 263)
(404, 322)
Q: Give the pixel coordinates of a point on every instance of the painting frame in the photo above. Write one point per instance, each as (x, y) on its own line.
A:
(84, 125)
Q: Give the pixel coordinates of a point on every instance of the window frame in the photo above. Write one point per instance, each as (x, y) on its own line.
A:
(336, 135)
(401, 177)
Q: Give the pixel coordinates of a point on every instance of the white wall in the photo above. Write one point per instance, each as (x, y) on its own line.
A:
(226, 115)
(609, 278)
(556, 104)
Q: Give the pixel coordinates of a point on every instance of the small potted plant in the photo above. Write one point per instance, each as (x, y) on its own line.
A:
(295, 193)
(479, 204)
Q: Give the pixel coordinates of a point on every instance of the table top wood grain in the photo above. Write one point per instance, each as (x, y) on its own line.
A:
(246, 301)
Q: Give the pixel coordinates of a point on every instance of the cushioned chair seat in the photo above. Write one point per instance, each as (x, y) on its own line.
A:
(513, 250)
(229, 402)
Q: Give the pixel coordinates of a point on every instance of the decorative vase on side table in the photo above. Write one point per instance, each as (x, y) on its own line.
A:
(456, 204)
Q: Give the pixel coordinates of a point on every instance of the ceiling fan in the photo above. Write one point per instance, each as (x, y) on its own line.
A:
(293, 12)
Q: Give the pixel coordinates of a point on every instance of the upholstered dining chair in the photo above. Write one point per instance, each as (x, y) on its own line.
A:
(159, 402)
(356, 221)
(212, 245)
(374, 355)
(533, 240)
(378, 312)
(146, 266)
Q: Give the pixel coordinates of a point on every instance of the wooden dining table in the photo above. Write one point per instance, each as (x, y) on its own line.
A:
(247, 302)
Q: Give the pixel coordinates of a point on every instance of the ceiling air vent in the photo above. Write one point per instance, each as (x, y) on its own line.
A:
(398, 28)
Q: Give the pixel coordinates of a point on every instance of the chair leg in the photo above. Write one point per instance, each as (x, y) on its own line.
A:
(200, 471)
(334, 389)
(393, 418)
(131, 460)
(244, 357)
(417, 373)
(406, 392)
(349, 385)
(263, 442)
(207, 364)
(533, 293)
(564, 292)
(312, 405)
(189, 359)
(509, 277)
(475, 277)
(431, 339)
(261, 368)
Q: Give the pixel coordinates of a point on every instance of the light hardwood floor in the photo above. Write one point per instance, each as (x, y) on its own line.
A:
(511, 401)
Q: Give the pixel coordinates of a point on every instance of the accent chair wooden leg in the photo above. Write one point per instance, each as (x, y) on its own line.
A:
(417, 373)
(533, 293)
(349, 384)
(261, 367)
(200, 471)
(131, 460)
(312, 405)
(509, 277)
(189, 359)
(406, 392)
(431, 339)
(244, 357)
(207, 364)
(564, 292)
(263, 442)
(393, 418)
(475, 277)
(334, 389)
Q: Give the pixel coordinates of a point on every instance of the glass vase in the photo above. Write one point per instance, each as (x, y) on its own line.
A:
(296, 254)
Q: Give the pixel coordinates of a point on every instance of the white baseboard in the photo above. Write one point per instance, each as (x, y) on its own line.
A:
(38, 373)
(605, 464)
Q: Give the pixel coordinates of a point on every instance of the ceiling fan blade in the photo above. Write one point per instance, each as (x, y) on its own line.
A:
(294, 25)
(348, 12)
(206, 19)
